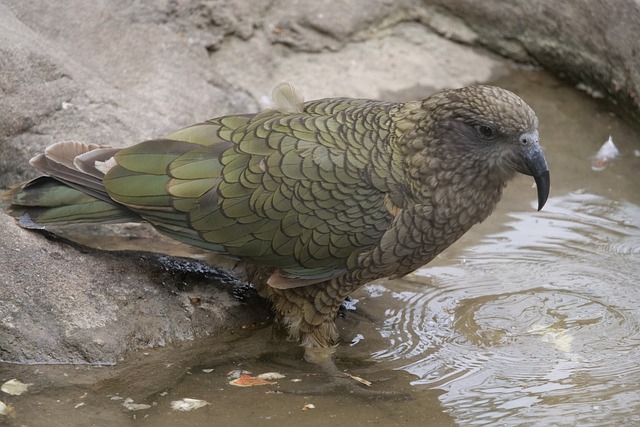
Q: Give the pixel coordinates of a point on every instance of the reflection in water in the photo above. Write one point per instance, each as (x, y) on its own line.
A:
(540, 322)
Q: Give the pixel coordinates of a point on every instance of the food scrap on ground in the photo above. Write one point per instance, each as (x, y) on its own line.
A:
(359, 379)
(130, 405)
(14, 387)
(7, 410)
(188, 404)
(246, 380)
(271, 376)
(236, 373)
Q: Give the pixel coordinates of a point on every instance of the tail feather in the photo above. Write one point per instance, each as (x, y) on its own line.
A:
(59, 161)
(65, 152)
(96, 162)
(72, 193)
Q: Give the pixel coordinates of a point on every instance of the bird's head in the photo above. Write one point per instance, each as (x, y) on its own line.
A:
(492, 129)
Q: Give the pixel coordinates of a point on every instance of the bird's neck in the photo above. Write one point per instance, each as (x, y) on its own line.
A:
(461, 191)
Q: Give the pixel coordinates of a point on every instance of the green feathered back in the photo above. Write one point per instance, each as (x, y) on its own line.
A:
(297, 191)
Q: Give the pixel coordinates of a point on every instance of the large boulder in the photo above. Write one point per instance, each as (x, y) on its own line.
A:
(65, 303)
(592, 43)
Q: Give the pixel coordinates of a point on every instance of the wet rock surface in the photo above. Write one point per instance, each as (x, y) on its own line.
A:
(65, 303)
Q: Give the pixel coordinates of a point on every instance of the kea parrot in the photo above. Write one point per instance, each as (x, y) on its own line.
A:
(315, 198)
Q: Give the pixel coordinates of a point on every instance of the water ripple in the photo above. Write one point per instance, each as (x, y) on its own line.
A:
(541, 320)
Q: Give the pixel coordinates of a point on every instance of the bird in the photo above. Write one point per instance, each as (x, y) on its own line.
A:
(315, 198)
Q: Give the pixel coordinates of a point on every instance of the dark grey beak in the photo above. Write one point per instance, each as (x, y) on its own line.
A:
(535, 164)
(543, 183)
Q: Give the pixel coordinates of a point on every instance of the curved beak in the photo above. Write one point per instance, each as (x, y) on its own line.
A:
(533, 163)
(543, 183)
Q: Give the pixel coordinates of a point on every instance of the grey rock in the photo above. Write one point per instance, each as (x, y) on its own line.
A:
(64, 303)
(314, 26)
(590, 42)
(69, 74)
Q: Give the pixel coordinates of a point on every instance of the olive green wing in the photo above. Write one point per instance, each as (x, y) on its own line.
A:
(292, 191)
(141, 178)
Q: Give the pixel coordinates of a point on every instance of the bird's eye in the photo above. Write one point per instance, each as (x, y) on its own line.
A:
(486, 132)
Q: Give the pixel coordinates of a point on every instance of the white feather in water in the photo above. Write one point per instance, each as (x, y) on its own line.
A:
(606, 154)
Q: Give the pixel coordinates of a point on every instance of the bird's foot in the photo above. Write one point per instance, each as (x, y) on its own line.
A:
(346, 384)
(339, 382)
(321, 376)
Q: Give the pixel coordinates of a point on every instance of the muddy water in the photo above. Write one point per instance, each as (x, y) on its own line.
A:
(538, 322)
(533, 318)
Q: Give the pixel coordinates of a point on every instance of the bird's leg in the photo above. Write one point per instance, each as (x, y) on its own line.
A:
(309, 313)
(320, 353)
(323, 357)
(341, 381)
(320, 344)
